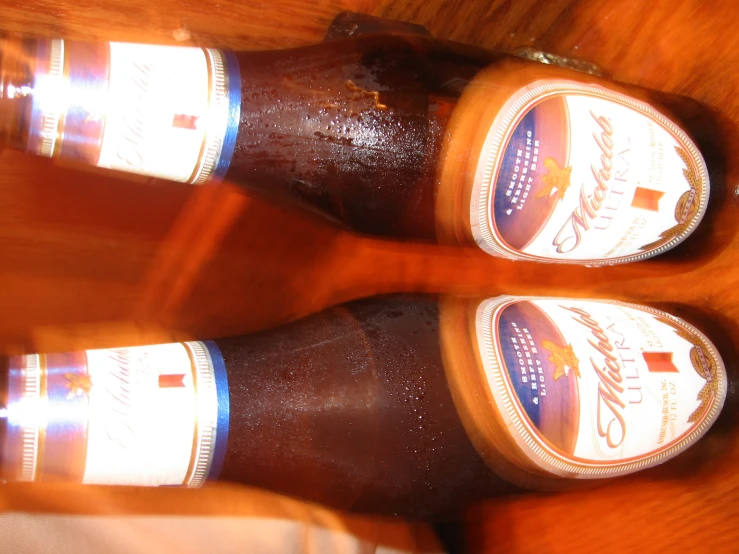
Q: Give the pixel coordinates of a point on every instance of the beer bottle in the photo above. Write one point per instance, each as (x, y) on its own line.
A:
(404, 405)
(389, 131)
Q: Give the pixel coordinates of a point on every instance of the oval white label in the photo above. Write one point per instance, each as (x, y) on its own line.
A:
(592, 389)
(574, 173)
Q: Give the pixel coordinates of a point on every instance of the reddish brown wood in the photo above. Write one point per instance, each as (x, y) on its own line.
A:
(93, 260)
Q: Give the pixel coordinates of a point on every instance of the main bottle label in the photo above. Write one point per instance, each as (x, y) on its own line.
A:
(573, 173)
(150, 416)
(594, 389)
(164, 111)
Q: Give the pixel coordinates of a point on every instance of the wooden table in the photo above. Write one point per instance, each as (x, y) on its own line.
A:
(89, 260)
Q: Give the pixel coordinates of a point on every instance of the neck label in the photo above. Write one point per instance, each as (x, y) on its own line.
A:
(163, 111)
(144, 416)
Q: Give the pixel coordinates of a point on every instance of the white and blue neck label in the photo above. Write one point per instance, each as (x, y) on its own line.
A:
(144, 416)
(164, 111)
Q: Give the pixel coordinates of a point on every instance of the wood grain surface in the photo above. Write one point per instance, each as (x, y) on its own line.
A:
(91, 260)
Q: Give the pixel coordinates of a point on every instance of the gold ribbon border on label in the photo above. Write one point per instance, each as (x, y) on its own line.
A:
(206, 415)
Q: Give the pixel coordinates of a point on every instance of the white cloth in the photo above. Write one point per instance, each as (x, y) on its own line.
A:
(225, 520)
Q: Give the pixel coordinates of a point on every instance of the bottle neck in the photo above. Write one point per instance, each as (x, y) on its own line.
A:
(50, 94)
(153, 415)
(162, 111)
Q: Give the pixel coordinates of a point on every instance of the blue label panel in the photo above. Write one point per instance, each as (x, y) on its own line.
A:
(532, 173)
(535, 356)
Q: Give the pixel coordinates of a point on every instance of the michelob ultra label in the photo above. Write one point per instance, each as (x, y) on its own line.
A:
(148, 415)
(571, 172)
(593, 389)
(163, 111)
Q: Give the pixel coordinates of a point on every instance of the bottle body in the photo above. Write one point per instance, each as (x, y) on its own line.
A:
(408, 136)
(354, 411)
(384, 405)
(404, 135)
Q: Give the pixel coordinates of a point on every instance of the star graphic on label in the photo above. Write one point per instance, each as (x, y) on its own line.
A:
(563, 358)
(78, 385)
(557, 179)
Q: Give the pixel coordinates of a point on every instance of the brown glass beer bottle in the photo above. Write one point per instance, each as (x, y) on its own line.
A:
(392, 133)
(395, 405)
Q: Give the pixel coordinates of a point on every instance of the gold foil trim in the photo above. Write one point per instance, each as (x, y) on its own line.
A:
(687, 206)
(32, 384)
(705, 366)
(206, 418)
(51, 120)
(217, 118)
